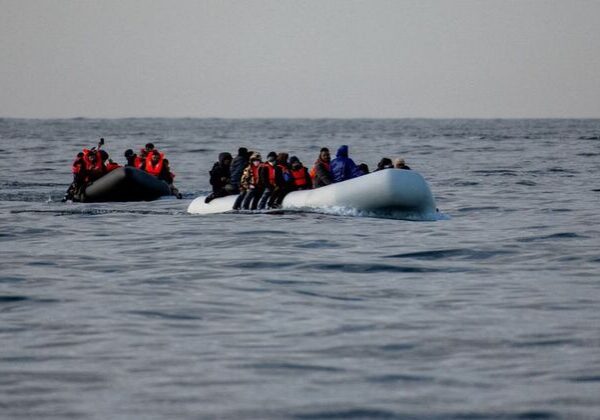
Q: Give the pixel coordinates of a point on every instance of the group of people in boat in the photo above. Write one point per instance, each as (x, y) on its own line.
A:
(263, 184)
(92, 164)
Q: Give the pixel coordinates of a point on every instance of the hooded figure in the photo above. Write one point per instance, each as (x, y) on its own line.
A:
(220, 177)
(237, 167)
(342, 167)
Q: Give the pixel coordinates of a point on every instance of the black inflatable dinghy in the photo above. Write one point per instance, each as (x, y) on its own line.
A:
(124, 184)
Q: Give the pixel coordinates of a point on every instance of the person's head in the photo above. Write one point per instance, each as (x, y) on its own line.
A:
(295, 162)
(364, 168)
(166, 163)
(92, 156)
(103, 155)
(324, 154)
(225, 159)
(255, 159)
(272, 157)
(343, 151)
(149, 147)
(399, 163)
(282, 158)
(242, 151)
(385, 163)
(129, 154)
(155, 156)
(79, 155)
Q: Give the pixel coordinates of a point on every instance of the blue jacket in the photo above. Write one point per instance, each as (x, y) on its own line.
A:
(342, 167)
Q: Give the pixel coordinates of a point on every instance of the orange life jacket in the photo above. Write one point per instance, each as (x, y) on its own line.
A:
(154, 169)
(313, 171)
(111, 166)
(94, 169)
(271, 169)
(254, 170)
(299, 176)
(78, 166)
(138, 162)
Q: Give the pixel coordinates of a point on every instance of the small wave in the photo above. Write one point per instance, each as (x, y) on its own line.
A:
(285, 366)
(374, 268)
(96, 211)
(491, 172)
(165, 315)
(355, 413)
(556, 236)
(467, 254)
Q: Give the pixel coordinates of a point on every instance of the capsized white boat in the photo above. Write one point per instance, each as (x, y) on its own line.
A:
(396, 193)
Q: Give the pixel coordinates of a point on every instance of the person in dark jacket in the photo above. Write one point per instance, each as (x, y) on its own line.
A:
(384, 163)
(342, 167)
(271, 181)
(300, 176)
(169, 177)
(237, 167)
(220, 177)
(321, 170)
(364, 168)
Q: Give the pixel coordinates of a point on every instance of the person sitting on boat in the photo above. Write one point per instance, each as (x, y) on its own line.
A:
(107, 162)
(384, 163)
(399, 163)
(342, 167)
(133, 159)
(78, 169)
(288, 183)
(238, 165)
(300, 176)
(148, 148)
(321, 170)
(270, 180)
(169, 177)
(94, 167)
(364, 168)
(220, 178)
(154, 163)
(250, 192)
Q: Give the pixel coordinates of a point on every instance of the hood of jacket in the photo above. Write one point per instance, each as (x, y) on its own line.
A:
(223, 156)
(342, 152)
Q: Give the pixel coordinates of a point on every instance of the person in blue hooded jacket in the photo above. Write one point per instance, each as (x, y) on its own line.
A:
(342, 167)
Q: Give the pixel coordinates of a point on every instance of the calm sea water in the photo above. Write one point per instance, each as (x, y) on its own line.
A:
(140, 310)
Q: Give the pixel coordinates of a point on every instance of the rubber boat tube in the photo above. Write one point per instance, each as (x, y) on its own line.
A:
(397, 193)
(125, 184)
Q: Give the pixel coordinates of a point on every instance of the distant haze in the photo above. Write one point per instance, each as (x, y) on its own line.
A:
(314, 59)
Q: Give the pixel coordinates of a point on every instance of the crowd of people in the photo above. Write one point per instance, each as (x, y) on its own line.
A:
(92, 164)
(260, 184)
(263, 184)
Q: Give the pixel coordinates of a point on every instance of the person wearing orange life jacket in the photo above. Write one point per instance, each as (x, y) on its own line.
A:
(108, 163)
(93, 165)
(287, 184)
(321, 170)
(300, 176)
(250, 192)
(154, 163)
(133, 159)
(148, 148)
(271, 180)
(78, 169)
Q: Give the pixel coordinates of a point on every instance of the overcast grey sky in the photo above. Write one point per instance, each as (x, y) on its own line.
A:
(277, 58)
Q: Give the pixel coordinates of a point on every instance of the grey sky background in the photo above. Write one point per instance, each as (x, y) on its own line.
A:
(316, 59)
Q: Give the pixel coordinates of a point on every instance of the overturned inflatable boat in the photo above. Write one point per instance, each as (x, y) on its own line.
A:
(124, 184)
(395, 193)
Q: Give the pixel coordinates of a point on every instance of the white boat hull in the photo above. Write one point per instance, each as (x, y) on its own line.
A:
(394, 193)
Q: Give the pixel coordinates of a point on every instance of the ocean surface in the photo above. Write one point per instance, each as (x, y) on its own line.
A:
(140, 310)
